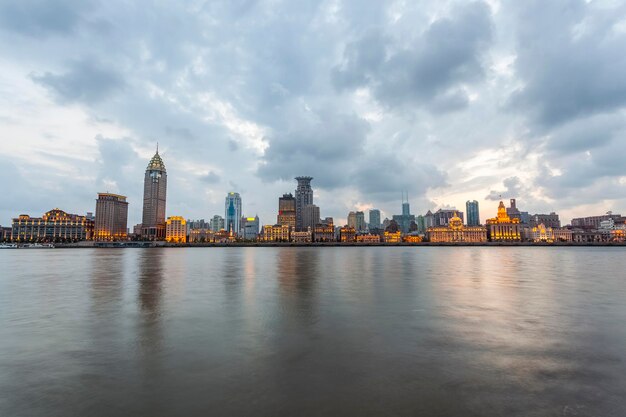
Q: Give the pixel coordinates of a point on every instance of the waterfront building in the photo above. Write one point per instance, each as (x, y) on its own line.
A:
(201, 236)
(442, 216)
(368, 238)
(222, 236)
(352, 220)
(304, 236)
(392, 237)
(232, 209)
(593, 222)
(456, 232)
(137, 230)
(374, 217)
(404, 220)
(55, 225)
(347, 234)
(304, 197)
(310, 217)
(473, 213)
(287, 210)
(276, 233)
(392, 227)
(421, 224)
(250, 228)
(217, 223)
(5, 233)
(356, 220)
(325, 231)
(502, 228)
(154, 199)
(543, 233)
(176, 229)
(413, 238)
(590, 236)
(548, 220)
(111, 217)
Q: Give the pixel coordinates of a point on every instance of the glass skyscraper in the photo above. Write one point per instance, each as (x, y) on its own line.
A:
(473, 216)
(233, 213)
(374, 219)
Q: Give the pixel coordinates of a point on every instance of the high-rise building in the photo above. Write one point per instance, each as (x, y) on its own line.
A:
(250, 227)
(473, 215)
(111, 217)
(154, 197)
(442, 216)
(287, 210)
(310, 216)
(404, 220)
(304, 197)
(176, 229)
(374, 219)
(233, 214)
(217, 223)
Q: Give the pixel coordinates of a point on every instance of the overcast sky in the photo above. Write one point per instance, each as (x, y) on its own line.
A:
(450, 100)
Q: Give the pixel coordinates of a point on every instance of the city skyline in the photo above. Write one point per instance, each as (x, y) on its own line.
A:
(381, 103)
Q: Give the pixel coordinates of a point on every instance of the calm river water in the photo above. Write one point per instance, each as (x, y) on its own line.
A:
(483, 331)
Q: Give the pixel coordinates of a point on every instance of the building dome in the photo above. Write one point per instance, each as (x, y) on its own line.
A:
(156, 163)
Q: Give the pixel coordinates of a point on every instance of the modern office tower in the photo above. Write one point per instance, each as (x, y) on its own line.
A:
(154, 196)
(548, 220)
(352, 220)
(310, 216)
(111, 217)
(502, 227)
(304, 197)
(360, 221)
(404, 220)
(421, 224)
(217, 223)
(233, 214)
(374, 219)
(442, 216)
(250, 227)
(473, 215)
(287, 210)
(429, 219)
(176, 229)
(406, 211)
(54, 225)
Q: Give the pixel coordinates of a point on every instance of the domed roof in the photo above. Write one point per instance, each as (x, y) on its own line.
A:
(156, 163)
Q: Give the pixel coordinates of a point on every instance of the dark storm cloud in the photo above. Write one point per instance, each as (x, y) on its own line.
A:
(570, 59)
(431, 70)
(39, 18)
(85, 81)
(513, 189)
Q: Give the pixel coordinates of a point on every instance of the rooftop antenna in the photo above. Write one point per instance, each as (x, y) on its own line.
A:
(157, 146)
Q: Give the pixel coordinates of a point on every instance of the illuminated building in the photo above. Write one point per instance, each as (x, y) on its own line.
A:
(276, 233)
(503, 228)
(442, 216)
(111, 217)
(325, 231)
(54, 225)
(310, 216)
(217, 223)
(347, 234)
(287, 210)
(201, 236)
(413, 238)
(562, 234)
(368, 238)
(222, 236)
(304, 197)
(455, 231)
(302, 236)
(5, 233)
(543, 233)
(374, 219)
(232, 208)
(154, 197)
(473, 214)
(250, 228)
(392, 237)
(176, 229)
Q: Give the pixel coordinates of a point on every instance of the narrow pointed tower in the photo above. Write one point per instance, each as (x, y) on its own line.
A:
(154, 197)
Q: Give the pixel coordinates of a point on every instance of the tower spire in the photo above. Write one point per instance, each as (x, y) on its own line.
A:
(157, 147)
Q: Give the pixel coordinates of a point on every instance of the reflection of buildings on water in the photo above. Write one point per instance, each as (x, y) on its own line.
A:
(297, 272)
(107, 275)
(149, 299)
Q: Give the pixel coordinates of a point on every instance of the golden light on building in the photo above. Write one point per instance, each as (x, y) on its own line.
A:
(54, 225)
(368, 238)
(276, 233)
(392, 237)
(413, 239)
(347, 234)
(502, 228)
(176, 229)
(456, 232)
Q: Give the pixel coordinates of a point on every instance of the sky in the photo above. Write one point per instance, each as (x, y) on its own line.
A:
(448, 100)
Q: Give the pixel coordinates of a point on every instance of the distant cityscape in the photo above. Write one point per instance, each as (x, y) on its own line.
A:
(299, 220)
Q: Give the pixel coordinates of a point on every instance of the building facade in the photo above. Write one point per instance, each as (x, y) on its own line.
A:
(473, 213)
(374, 219)
(456, 232)
(54, 226)
(232, 210)
(368, 238)
(176, 229)
(250, 228)
(593, 222)
(111, 217)
(442, 216)
(201, 236)
(287, 210)
(276, 233)
(548, 220)
(304, 197)
(502, 228)
(392, 237)
(310, 216)
(325, 231)
(347, 234)
(217, 223)
(304, 236)
(154, 199)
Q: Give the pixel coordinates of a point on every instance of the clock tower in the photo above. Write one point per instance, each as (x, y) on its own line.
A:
(154, 193)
